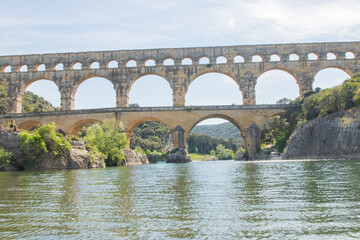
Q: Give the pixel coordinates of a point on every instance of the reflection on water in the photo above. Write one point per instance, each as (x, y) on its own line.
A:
(207, 200)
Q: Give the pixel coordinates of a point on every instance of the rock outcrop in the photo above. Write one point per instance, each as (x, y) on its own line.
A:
(133, 158)
(178, 155)
(336, 136)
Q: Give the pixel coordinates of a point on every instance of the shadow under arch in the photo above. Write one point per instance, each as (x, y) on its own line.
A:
(276, 70)
(27, 125)
(75, 128)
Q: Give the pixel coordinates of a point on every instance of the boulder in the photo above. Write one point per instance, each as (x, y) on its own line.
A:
(133, 158)
(179, 155)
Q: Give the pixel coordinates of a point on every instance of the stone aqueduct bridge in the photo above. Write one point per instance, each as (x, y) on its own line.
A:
(180, 120)
(179, 66)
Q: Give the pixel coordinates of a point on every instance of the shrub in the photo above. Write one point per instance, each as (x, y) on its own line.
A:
(5, 158)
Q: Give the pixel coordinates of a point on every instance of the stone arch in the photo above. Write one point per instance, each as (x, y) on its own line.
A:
(275, 57)
(130, 129)
(27, 125)
(187, 61)
(76, 65)
(77, 84)
(40, 67)
(294, 57)
(204, 60)
(150, 62)
(331, 56)
(94, 65)
(131, 63)
(112, 64)
(213, 71)
(23, 68)
(76, 127)
(58, 66)
(6, 68)
(165, 89)
(283, 70)
(168, 62)
(330, 79)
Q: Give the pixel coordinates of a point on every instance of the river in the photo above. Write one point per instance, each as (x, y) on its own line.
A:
(198, 200)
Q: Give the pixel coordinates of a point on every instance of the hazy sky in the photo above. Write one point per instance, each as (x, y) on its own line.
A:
(39, 26)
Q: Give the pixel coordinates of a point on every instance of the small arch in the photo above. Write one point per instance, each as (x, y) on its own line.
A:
(313, 56)
(275, 58)
(41, 68)
(131, 63)
(77, 66)
(137, 122)
(204, 60)
(74, 129)
(95, 65)
(349, 55)
(256, 58)
(221, 60)
(59, 67)
(113, 64)
(239, 59)
(7, 69)
(27, 125)
(186, 61)
(294, 57)
(169, 62)
(61, 132)
(23, 68)
(150, 63)
(331, 56)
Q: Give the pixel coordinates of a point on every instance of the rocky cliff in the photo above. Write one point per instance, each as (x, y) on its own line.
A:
(336, 136)
(133, 158)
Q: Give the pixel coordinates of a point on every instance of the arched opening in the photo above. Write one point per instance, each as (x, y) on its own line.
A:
(131, 63)
(95, 92)
(214, 137)
(239, 59)
(329, 77)
(23, 68)
(150, 63)
(204, 60)
(331, 56)
(113, 64)
(256, 58)
(151, 90)
(275, 58)
(76, 66)
(213, 89)
(7, 69)
(150, 136)
(75, 129)
(186, 61)
(40, 96)
(169, 62)
(221, 60)
(294, 57)
(95, 65)
(29, 125)
(313, 56)
(41, 68)
(59, 67)
(349, 55)
(275, 85)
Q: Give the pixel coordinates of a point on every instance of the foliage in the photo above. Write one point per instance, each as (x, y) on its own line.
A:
(203, 144)
(201, 157)
(224, 154)
(225, 130)
(3, 99)
(42, 140)
(33, 103)
(5, 158)
(106, 140)
(150, 135)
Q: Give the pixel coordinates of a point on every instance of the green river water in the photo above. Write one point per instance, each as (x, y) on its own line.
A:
(198, 200)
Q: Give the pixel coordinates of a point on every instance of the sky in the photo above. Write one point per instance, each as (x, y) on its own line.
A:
(43, 26)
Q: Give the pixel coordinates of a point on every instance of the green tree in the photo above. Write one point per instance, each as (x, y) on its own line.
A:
(3, 99)
(33, 103)
(106, 140)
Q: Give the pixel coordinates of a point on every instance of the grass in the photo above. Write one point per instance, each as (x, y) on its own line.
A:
(201, 157)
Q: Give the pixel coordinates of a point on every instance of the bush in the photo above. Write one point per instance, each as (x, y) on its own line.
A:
(106, 140)
(5, 158)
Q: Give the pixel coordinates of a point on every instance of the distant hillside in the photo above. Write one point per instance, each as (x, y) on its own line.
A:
(33, 103)
(224, 130)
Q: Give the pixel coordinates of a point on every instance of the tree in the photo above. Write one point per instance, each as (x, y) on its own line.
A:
(3, 99)
(107, 140)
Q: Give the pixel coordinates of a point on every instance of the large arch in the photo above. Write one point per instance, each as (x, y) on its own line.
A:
(330, 77)
(150, 89)
(94, 91)
(76, 127)
(129, 129)
(275, 84)
(42, 87)
(220, 88)
(27, 125)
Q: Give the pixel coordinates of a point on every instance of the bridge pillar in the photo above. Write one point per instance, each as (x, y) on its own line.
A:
(178, 99)
(247, 87)
(67, 97)
(178, 135)
(14, 99)
(122, 94)
(305, 83)
(253, 136)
